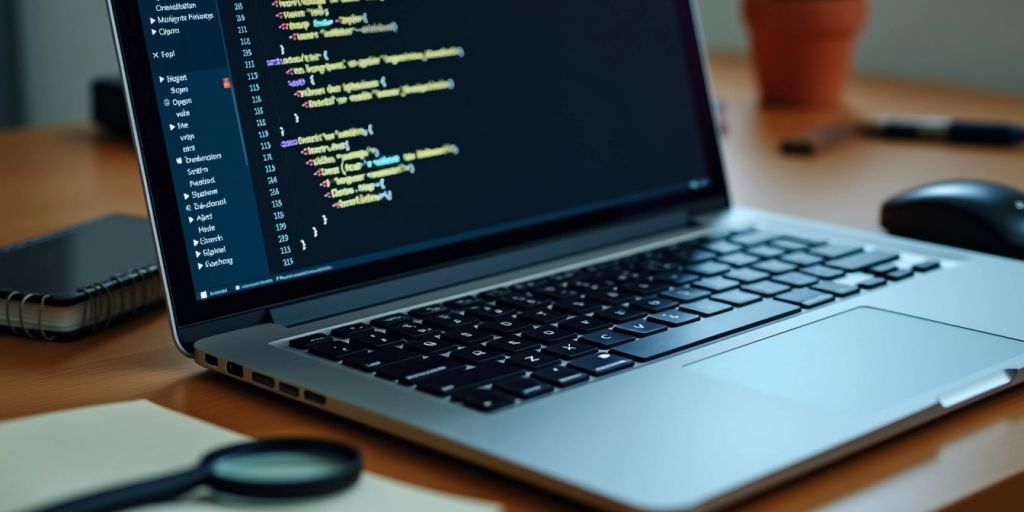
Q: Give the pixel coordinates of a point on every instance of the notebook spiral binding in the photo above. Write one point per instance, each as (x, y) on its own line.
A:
(124, 294)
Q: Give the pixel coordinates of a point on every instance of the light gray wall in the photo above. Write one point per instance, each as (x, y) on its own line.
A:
(973, 43)
(64, 44)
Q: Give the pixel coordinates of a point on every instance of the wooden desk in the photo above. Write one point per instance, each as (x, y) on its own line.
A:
(52, 177)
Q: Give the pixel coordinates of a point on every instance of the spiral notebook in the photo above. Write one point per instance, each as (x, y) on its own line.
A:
(71, 283)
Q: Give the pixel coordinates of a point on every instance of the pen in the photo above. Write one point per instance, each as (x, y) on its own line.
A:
(906, 127)
(946, 128)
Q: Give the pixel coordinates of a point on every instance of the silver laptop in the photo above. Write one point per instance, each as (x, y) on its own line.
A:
(502, 230)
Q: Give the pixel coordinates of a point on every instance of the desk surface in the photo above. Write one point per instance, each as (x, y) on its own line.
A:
(53, 177)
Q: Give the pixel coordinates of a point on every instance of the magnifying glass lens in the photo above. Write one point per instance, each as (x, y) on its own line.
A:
(278, 468)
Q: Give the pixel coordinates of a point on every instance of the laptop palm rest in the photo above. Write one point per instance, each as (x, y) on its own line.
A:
(863, 360)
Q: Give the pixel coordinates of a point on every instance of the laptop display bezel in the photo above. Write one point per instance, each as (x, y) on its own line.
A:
(187, 310)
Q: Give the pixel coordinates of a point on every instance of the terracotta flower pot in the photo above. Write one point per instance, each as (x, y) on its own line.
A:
(803, 48)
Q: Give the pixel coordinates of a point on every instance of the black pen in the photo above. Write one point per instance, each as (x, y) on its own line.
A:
(946, 128)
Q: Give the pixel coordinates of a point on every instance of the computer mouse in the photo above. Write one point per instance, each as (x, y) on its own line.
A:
(977, 215)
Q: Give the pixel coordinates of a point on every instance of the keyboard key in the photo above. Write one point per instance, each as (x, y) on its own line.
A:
(676, 278)
(833, 251)
(606, 339)
(765, 251)
(805, 297)
(375, 339)
(543, 315)
(523, 387)
(722, 247)
(450, 320)
(497, 293)
(837, 289)
(384, 322)
(643, 287)
(709, 268)
(737, 297)
(640, 328)
(686, 294)
(512, 345)
(532, 360)
(372, 359)
(823, 272)
(426, 311)
(483, 399)
(578, 306)
(802, 259)
(774, 266)
(306, 341)
(611, 297)
(693, 255)
(882, 269)
(673, 318)
(788, 245)
(706, 307)
(862, 260)
(569, 349)
(348, 330)
(334, 350)
(476, 354)
(560, 376)
(555, 292)
(547, 335)
(706, 330)
(411, 330)
(445, 383)
(805, 241)
(506, 325)
(463, 302)
(600, 364)
(717, 284)
(408, 372)
(489, 312)
(467, 335)
(747, 275)
(620, 314)
(795, 279)
(899, 274)
(429, 346)
(585, 324)
(738, 259)
(753, 238)
(520, 301)
(927, 266)
(767, 288)
(654, 304)
(871, 284)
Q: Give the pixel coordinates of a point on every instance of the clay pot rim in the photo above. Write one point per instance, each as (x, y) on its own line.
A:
(807, 16)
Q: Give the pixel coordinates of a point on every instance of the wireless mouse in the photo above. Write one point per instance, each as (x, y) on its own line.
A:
(977, 215)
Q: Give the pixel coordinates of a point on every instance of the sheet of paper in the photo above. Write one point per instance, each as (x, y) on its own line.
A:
(51, 457)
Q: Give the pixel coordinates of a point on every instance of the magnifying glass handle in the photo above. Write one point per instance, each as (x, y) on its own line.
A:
(158, 489)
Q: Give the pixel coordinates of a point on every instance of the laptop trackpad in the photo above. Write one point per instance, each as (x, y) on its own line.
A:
(860, 361)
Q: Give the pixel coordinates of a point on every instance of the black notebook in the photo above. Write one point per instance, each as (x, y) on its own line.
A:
(68, 284)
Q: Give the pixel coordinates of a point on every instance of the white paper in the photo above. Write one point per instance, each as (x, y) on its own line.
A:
(48, 458)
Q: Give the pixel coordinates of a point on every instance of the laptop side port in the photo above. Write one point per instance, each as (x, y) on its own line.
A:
(314, 398)
(210, 360)
(288, 389)
(235, 369)
(259, 378)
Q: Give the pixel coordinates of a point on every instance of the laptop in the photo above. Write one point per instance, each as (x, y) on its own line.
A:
(502, 231)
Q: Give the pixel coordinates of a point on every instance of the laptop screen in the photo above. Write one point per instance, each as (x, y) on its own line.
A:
(311, 137)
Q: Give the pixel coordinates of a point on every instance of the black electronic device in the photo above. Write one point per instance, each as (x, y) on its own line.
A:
(978, 215)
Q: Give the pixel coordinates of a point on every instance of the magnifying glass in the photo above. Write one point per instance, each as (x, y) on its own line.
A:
(282, 468)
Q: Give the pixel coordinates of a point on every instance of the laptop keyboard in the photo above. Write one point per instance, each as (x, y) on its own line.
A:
(518, 343)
